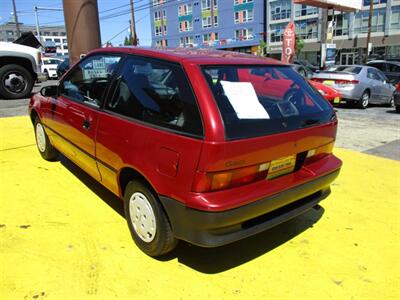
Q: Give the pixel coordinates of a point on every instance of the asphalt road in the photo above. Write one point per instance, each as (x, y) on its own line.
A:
(375, 130)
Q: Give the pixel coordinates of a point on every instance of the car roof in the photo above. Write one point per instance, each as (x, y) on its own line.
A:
(384, 61)
(196, 56)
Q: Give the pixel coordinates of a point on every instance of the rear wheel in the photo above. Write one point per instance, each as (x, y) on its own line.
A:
(46, 149)
(391, 102)
(15, 82)
(364, 100)
(398, 108)
(147, 221)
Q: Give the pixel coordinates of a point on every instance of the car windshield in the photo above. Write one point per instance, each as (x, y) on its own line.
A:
(260, 100)
(345, 69)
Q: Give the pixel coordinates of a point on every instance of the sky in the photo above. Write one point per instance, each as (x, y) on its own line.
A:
(109, 25)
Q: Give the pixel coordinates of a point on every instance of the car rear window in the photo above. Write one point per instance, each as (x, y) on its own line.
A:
(261, 100)
(346, 69)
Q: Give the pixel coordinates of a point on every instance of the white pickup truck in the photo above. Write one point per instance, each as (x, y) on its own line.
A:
(20, 68)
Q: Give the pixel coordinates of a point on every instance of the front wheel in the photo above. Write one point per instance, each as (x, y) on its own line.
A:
(46, 149)
(15, 82)
(364, 100)
(147, 221)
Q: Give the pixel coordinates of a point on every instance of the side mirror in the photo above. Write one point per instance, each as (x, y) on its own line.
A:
(49, 91)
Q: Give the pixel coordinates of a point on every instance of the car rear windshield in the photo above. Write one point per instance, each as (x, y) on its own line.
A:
(345, 69)
(261, 100)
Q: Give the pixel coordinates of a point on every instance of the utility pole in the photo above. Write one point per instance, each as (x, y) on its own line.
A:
(83, 28)
(37, 24)
(371, 9)
(133, 29)
(16, 18)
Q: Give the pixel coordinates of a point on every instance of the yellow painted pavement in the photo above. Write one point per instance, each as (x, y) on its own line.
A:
(62, 236)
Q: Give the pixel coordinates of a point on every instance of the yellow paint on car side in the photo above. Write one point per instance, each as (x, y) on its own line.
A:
(62, 236)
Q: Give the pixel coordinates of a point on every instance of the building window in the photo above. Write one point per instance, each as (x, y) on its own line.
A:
(281, 10)
(209, 38)
(215, 21)
(158, 15)
(207, 22)
(395, 19)
(236, 2)
(186, 41)
(46, 33)
(206, 4)
(341, 25)
(366, 2)
(243, 16)
(185, 26)
(10, 32)
(244, 34)
(55, 33)
(377, 24)
(158, 2)
(307, 29)
(304, 10)
(277, 32)
(57, 40)
(162, 43)
(184, 10)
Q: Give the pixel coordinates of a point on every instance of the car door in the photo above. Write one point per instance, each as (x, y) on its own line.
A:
(393, 72)
(386, 91)
(74, 113)
(374, 85)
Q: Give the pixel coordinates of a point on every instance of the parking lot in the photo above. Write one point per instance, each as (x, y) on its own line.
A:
(63, 236)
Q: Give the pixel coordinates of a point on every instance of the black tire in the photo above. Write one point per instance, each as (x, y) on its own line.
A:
(398, 108)
(163, 240)
(15, 82)
(391, 102)
(364, 100)
(46, 149)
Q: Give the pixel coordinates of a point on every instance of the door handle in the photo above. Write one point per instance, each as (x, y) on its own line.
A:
(86, 124)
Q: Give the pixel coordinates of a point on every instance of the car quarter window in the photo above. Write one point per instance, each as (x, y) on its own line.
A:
(373, 74)
(393, 68)
(88, 81)
(157, 93)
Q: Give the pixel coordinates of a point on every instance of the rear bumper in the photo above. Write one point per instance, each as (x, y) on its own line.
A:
(211, 229)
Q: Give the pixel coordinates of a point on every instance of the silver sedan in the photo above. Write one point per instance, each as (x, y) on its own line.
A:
(358, 84)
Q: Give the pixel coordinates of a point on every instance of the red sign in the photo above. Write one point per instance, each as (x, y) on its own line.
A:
(289, 41)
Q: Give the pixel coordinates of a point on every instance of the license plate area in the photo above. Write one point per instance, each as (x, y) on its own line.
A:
(281, 166)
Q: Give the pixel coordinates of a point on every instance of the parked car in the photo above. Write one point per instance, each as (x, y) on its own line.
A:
(62, 67)
(330, 94)
(307, 64)
(49, 66)
(200, 145)
(397, 98)
(358, 84)
(390, 68)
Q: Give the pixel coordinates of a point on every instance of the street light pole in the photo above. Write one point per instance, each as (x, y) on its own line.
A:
(371, 9)
(16, 18)
(35, 8)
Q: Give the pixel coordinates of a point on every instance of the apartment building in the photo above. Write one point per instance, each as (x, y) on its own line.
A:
(221, 24)
(240, 25)
(349, 32)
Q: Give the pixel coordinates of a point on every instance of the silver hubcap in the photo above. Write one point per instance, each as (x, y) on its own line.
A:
(142, 217)
(14, 82)
(40, 137)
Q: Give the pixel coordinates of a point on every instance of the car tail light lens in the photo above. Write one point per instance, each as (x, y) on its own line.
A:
(318, 79)
(346, 82)
(398, 87)
(317, 153)
(214, 181)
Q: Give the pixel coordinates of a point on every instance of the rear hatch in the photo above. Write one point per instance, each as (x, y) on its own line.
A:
(275, 125)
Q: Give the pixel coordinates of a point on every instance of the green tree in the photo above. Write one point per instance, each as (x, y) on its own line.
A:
(126, 41)
(299, 46)
(262, 48)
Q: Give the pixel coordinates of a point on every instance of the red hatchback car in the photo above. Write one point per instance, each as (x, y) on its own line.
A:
(206, 147)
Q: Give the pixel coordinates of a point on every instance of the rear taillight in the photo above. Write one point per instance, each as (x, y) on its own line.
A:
(213, 181)
(317, 153)
(345, 82)
(398, 87)
(318, 80)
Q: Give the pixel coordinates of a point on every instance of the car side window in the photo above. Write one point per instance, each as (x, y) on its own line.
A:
(373, 74)
(393, 68)
(380, 66)
(88, 81)
(157, 93)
